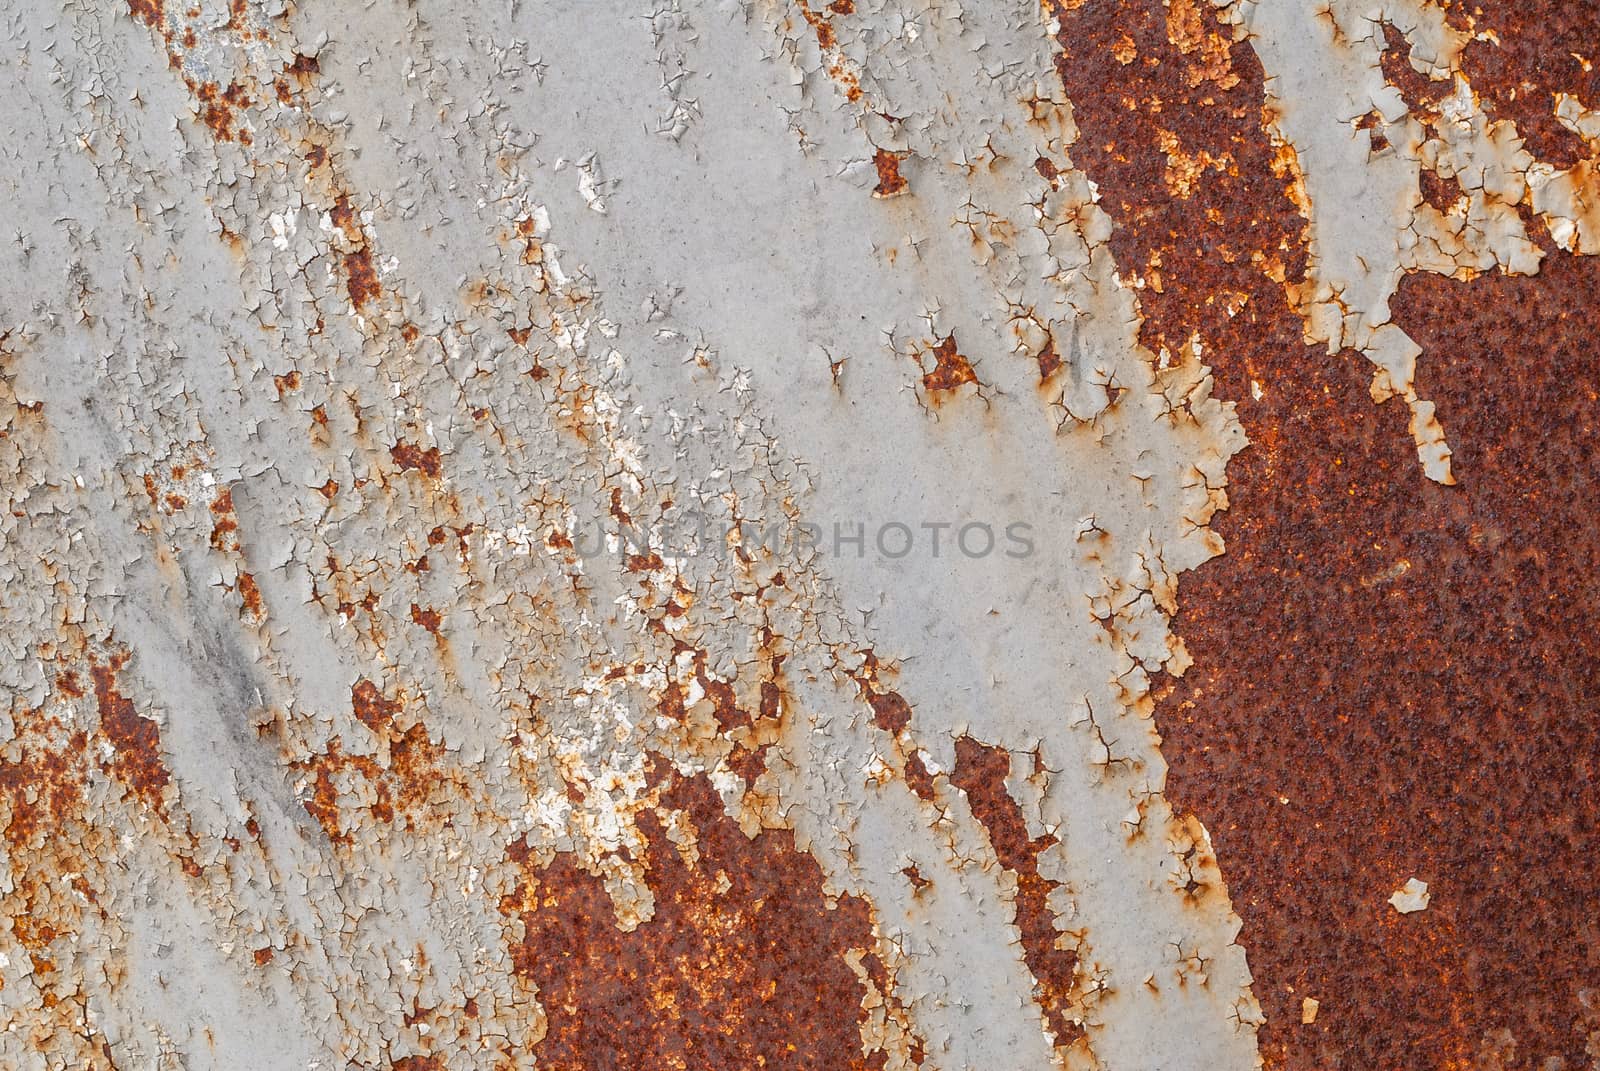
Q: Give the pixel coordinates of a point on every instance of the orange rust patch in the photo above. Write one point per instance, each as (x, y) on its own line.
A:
(950, 369)
(403, 787)
(217, 108)
(136, 738)
(743, 964)
(644, 563)
(250, 594)
(224, 525)
(410, 456)
(361, 282)
(981, 772)
(42, 787)
(371, 707)
(890, 181)
(149, 12)
(819, 24)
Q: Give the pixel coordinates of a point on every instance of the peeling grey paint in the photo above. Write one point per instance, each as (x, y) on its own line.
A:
(485, 277)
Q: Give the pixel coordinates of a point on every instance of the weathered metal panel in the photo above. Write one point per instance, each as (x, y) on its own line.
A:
(546, 535)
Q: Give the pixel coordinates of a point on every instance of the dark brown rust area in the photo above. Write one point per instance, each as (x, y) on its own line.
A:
(1538, 48)
(742, 966)
(981, 772)
(1392, 678)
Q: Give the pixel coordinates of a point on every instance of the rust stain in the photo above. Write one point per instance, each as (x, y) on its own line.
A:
(1390, 676)
(136, 738)
(361, 282)
(1521, 56)
(745, 955)
(981, 772)
(951, 369)
(410, 457)
(890, 181)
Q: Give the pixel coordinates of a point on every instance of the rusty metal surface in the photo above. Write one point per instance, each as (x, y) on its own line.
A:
(880, 534)
(1392, 679)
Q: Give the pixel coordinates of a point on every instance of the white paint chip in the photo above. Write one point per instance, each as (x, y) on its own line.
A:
(1410, 897)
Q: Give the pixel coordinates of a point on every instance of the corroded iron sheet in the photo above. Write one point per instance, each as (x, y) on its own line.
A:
(873, 534)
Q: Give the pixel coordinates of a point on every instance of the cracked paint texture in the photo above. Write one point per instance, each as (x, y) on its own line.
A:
(880, 534)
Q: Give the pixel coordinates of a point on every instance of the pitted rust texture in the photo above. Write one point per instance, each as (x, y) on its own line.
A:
(1522, 56)
(1391, 678)
(980, 772)
(1153, 84)
(744, 961)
